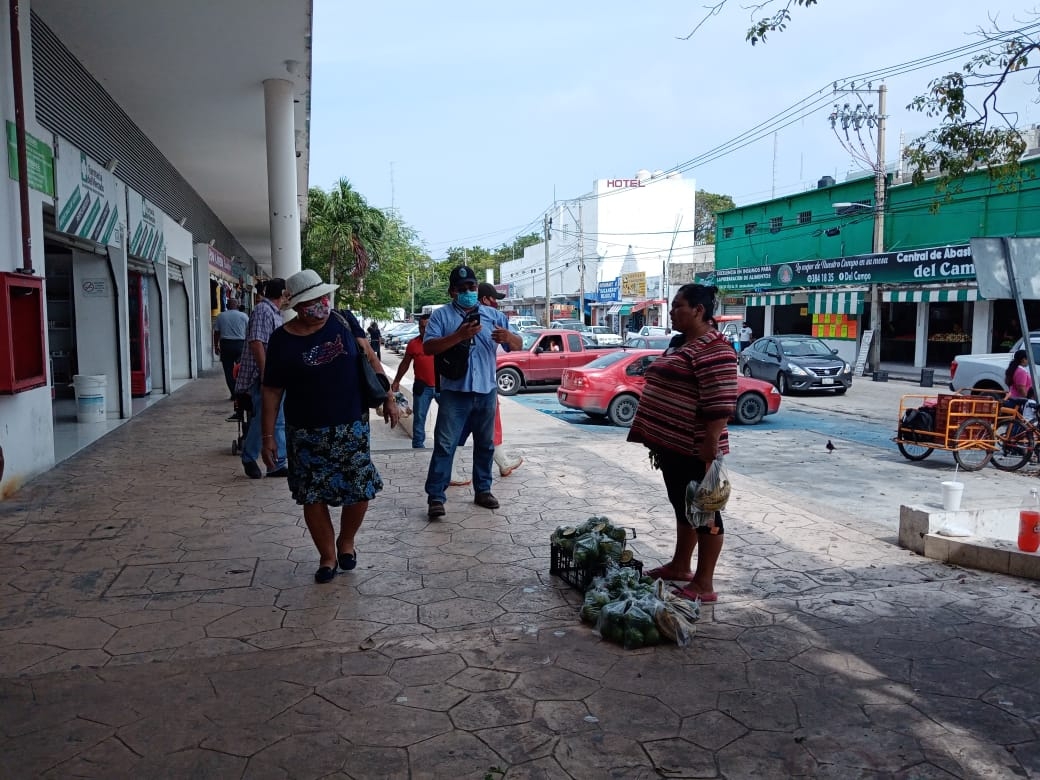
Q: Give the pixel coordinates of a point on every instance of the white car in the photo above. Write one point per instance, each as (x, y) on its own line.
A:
(648, 330)
(604, 336)
(523, 323)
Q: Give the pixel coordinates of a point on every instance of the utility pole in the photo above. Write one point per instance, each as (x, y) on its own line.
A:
(411, 285)
(581, 264)
(546, 229)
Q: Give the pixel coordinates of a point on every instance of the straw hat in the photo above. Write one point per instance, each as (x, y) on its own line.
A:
(305, 286)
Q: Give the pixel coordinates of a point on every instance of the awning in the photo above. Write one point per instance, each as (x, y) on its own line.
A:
(930, 296)
(768, 300)
(626, 308)
(836, 303)
(640, 305)
(614, 308)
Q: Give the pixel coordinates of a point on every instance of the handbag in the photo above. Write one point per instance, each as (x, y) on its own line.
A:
(374, 387)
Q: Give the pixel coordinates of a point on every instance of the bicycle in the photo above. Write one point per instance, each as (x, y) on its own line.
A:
(1017, 437)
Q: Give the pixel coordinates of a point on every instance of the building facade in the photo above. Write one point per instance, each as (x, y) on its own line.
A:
(609, 248)
(154, 163)
(804, 264)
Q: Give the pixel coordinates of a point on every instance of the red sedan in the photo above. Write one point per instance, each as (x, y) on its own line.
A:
(611, 384)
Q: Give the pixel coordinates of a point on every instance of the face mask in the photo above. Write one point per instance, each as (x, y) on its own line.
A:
(317, 310)
(468, 299)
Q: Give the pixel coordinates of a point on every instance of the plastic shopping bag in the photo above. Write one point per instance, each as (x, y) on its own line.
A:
(708, 496)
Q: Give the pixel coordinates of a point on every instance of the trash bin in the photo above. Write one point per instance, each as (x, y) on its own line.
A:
(880, 376)
(90, 398)
(927, 377)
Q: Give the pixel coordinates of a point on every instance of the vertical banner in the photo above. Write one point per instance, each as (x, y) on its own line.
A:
(146, 228)
(39, 160)
(87, 198)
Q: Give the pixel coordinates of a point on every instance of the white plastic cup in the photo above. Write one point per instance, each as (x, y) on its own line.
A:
(951, 495)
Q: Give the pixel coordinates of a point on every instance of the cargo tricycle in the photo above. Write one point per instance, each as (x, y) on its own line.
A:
(959, 423)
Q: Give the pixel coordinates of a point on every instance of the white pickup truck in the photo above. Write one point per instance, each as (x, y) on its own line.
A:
(986, 372)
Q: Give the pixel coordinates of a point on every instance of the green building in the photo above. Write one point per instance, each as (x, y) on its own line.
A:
(804, 264)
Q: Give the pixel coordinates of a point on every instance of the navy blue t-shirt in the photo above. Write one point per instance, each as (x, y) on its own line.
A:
(319, 373)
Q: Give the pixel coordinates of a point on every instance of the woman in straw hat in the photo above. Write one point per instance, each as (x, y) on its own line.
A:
(313, 361)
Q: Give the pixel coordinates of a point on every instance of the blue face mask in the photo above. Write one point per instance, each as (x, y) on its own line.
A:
(468, 299)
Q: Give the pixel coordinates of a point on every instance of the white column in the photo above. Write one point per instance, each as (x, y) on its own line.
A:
(281, 178)
(921, 342)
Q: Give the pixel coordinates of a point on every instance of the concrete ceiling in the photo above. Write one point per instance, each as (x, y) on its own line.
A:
(190, 74)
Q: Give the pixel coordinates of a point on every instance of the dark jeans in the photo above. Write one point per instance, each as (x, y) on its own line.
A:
(230, 353)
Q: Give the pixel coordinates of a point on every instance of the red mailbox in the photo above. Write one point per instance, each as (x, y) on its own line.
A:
(23, 356)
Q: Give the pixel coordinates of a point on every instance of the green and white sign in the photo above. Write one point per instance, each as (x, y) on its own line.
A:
(39, 159)
(88, 198)
(147, 239)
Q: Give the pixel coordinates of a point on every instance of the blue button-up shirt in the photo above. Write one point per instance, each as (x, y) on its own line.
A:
(480, 378)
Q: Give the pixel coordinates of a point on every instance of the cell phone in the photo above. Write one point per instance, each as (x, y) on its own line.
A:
(473, 316)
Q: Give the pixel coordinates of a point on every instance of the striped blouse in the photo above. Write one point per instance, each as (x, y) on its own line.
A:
(689, 384)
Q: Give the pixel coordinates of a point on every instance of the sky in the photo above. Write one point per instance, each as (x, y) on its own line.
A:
(471, 118)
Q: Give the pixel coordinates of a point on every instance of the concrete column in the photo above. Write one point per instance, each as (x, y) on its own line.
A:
(281, 178)
(921, 341)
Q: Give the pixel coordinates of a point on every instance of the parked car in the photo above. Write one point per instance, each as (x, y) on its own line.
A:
(543, 358)
(577, 325)
(648, 342)
(986, 371)
(523, 323)
(400, 338)
(648, 330)
(604, 336)
(611, 385)
(796, 362)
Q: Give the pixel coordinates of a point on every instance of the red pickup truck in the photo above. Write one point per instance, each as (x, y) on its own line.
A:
(543, 358)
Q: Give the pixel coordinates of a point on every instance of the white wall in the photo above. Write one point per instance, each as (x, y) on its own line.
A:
(180, 354)
(96, 325)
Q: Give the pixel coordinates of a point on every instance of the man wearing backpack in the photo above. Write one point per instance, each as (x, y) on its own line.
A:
(463, 338)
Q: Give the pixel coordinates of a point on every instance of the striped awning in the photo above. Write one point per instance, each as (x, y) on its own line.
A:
(768, 300)
(614, 309)
(930, 296)
(849, 302)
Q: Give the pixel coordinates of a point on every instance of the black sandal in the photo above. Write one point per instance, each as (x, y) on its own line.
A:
(348, 561)
(325, 574)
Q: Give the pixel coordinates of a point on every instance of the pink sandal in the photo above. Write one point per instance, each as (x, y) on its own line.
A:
(692, 594)
(664, 573)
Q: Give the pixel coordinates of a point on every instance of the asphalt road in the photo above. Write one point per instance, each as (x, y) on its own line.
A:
(864, 481)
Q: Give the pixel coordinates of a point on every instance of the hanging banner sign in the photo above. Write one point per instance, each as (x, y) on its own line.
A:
(936, 264)
(39, 159)
(87, 198)
(220, 262)
(145, 222)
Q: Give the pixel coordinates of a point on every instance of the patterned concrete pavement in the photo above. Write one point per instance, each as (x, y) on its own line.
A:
(158, 618)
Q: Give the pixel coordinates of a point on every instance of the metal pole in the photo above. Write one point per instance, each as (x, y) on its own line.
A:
(581, 264)
(545, 229)
(878, 244)
(1027, 339)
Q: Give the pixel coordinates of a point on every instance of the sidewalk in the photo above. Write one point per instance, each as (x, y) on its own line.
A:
(159, 619)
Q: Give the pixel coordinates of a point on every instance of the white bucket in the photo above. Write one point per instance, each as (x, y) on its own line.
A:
(90, 398)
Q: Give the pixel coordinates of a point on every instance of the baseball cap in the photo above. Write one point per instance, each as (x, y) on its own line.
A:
(487, 290)
(461, 275)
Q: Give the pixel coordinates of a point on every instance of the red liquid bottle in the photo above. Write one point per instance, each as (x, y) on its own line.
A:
(1029, 522)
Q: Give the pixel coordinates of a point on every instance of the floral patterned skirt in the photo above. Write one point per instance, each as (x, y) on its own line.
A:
(331, 465)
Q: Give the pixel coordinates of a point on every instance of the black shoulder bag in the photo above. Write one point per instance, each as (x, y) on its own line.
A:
(373, 386)
(453, 363)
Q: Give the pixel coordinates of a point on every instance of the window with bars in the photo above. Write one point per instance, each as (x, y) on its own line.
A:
(727, 232)
(804, 217)
(775, 224)
(750, 228)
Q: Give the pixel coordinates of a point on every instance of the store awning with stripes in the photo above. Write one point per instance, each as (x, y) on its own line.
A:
(621, 309)
(768, 300)
(640, 305)
(849, 302)
(930, 296)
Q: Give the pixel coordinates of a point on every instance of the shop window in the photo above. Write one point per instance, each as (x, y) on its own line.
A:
(750, 228)
(804, 217)
(727, 232)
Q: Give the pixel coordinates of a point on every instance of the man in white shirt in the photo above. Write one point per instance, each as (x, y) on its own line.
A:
(745, 337)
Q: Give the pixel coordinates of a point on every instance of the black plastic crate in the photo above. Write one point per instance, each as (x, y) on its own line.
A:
(562, 565)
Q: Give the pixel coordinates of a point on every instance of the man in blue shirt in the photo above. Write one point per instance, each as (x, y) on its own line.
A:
(470, 396)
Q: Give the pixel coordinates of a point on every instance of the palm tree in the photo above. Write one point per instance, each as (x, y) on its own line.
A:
(340, 232)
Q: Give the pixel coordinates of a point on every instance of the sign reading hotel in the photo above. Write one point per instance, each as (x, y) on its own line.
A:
(87, 198)
(39, 159)
(633, 285)
(623, 183)
(936, 264)
(147, 239)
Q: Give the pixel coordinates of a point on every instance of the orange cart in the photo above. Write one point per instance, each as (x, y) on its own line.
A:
(961, 424)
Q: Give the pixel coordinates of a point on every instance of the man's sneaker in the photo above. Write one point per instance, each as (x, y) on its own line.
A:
(486, 500)
(435, 509)
(252, 470)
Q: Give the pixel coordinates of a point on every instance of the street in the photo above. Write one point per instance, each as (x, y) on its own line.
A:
(863, 481)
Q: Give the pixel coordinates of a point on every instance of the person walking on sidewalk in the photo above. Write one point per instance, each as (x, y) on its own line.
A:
(424, 384)
(690, 393)
(373, 338)
(746, 334)
(265, 320)
(464, 337)
(313, 363)
(229, 337)
(507, 463)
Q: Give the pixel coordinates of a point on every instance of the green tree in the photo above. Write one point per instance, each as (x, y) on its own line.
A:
(706, 206)
(973, 130)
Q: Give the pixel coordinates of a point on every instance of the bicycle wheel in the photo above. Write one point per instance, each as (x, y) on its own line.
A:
(1013, 449)
(973, 444)
(913, 451)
